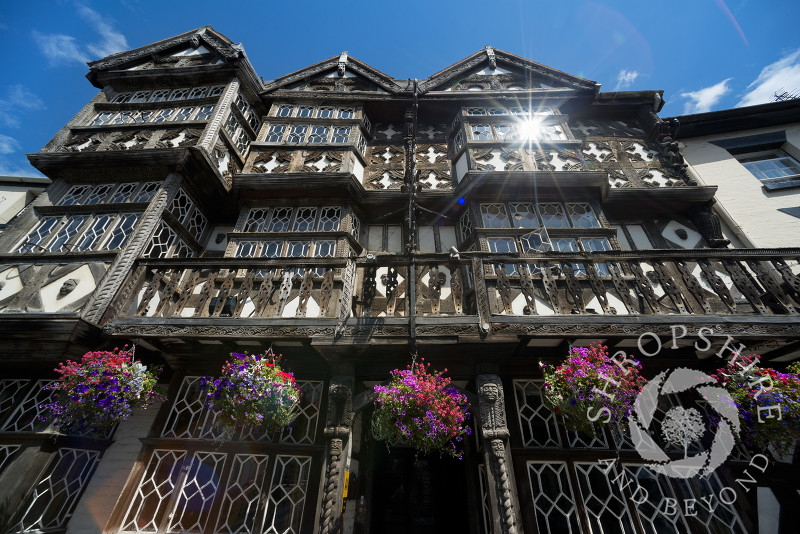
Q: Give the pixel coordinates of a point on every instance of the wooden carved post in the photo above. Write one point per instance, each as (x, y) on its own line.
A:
(337, 432)
(95, 310)
(494, 433)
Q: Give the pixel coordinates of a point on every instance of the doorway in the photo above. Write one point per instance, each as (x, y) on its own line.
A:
(424, 495)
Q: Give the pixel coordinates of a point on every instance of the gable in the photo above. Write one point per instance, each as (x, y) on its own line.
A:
(338, 73)
(203, 46)
(495, 70)
(186, 57)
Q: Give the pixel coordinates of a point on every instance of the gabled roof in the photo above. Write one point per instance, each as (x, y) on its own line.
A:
(206, 36)
(341, 63)
(493, 59)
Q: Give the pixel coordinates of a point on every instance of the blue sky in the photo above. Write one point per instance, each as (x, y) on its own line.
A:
(705, 54)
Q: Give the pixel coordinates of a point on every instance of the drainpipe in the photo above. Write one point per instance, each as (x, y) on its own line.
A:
(411, 245)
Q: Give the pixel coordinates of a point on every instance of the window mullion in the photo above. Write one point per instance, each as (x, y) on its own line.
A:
(186, 464)
(583, 515)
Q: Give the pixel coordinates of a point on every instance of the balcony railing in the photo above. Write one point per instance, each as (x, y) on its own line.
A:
(663, 282)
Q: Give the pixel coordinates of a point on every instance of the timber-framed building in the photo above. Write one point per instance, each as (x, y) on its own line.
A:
(486, 218)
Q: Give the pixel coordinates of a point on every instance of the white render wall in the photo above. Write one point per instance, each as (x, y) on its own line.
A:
(94, 509)
(753, 208)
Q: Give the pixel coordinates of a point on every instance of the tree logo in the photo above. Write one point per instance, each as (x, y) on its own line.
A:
(682, 427)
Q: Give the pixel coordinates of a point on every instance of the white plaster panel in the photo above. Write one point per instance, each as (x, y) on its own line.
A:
(426, 241)
(692, 240)
(11, 283)
(212, 240)
(375, 237)
(623, 241)
(395, 238)
(312, 308)
(640, 238)
(447, 237)
(461, 167)
(49, 293)
(358, 170)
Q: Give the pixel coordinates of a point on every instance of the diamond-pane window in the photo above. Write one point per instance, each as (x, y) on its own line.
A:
(94, 232)
(98, 194)
(280, 220)
(102, 118)
(324, 248)
(340, 134)
(183, 114)
(159, 95)
(305, 111)
(271, 249)
(297, 249)
(553, 215)
(246, 249)
(123, 193)
(581, 215)
(181, 206)
(122, 232)
(553, 499)
(216, 90)
(284, 110)
(197, 92)
(151, 501)
(60, 242)
(33, 241)
(255, 220)
(481, 132)
(147, 192)
(494, 216)
(318, 134)
(74, 195)
(287, 495)
(325, 112)
(536, 241)
(304, 221)
(124, 117)
(54, 497)
(329, 219)
(178, 94)
(275, 133)
(204, 113)
(160, 244)
(140, 96)
(297, 133)
(346, 113)
(163, 115)
(523, 215)
(537, 423)
(476, 111)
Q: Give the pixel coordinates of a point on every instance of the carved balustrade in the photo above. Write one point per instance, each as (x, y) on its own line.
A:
(697, 282)
(236, 288)
(679, 282)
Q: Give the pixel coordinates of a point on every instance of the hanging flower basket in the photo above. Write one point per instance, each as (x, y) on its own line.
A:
(254, 392)
(100, 391)
(420, 410)
(768, 402)
(589, 386)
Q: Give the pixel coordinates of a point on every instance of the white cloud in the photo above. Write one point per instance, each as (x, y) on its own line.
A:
(8, 145)
(783, 75)
(18, 99)
(704, 99)
(112, 42)
(64, 49)
(59, 48)
(625, 78)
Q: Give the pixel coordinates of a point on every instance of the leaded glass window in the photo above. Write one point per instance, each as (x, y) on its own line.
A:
(318, 134)
(340, 134)
(122, 231)
(297, 133)
(68, 230)
(275, 133)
